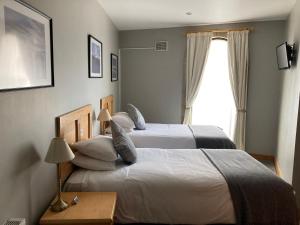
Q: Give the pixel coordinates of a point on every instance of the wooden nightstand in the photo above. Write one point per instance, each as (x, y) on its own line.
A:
(92, 208)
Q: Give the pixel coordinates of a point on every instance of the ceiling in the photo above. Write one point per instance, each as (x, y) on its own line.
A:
(146, 14)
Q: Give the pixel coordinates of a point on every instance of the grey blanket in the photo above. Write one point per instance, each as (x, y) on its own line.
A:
(211, 137)
(259, 196)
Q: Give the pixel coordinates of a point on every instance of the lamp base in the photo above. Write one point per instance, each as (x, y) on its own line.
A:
(59, 205)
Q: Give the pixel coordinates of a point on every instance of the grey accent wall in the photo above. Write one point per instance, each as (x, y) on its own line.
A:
(27, 118)
(155, 81)
(151, 80)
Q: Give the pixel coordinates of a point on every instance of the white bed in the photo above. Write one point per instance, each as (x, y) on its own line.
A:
(169, 136)
(164, 186)
(173, 136)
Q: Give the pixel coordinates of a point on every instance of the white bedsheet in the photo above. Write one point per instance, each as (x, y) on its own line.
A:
(165, 186)
(168, 136)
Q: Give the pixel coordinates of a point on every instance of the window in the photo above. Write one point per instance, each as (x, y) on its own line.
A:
(214, 104)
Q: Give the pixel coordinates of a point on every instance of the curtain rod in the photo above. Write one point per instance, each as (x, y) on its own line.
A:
(222, 30)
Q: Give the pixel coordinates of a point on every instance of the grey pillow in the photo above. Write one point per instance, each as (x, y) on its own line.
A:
(137, 117)
(122, 143)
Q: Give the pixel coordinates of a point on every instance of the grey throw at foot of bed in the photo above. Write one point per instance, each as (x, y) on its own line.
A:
(259, 197)
(211, 137)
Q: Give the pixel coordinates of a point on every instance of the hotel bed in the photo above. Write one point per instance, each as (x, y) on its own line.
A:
(164, 186)
(183, 186)
(174, 136)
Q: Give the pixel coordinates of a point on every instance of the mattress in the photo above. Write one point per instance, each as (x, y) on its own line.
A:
(165, 186)
(168, 136)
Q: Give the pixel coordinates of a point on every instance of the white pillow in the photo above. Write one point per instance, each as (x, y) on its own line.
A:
(123, 119)
(92, 164)
(100, 147)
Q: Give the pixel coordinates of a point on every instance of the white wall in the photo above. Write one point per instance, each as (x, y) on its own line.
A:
(155, 81)
(27, 117)
(289, 102)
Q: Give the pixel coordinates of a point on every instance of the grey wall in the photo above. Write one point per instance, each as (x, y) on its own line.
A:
(289, 105)
(27, 117)
(155, 81)
(150, 80)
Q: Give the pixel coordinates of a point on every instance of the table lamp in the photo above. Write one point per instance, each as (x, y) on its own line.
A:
(59, 152)
(104, 116)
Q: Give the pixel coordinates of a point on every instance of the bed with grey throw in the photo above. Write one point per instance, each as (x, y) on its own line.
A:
(180, 136)
(211, 137)
(192, 186)
(259, 197)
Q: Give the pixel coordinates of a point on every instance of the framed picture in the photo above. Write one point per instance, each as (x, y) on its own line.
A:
(95, 58)
(114, 65)
(26, 54)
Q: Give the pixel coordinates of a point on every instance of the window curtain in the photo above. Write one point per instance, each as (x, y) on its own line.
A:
(238, 53)
(197, 52)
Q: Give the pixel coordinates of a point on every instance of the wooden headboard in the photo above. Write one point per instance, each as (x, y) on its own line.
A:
(73, 127)
(106, 103)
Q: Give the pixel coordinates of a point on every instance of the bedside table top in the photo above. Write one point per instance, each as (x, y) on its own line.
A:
(93, 207)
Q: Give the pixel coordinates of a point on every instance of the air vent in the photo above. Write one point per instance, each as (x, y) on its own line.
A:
(161, 46)
(15, 221)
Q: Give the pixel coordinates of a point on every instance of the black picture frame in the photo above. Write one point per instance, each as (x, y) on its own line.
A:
(35, 24)
(114, 67)
(95, 65)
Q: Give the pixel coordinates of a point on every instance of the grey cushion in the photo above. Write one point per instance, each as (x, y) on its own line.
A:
(122, 143)
(137, 117)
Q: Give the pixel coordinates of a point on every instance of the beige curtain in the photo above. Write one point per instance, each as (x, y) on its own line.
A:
(197, 51)
(238, 72)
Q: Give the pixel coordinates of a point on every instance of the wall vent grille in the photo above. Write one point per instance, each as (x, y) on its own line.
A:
(161, 46)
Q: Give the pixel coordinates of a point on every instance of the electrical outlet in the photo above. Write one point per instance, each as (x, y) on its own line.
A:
(15, 221)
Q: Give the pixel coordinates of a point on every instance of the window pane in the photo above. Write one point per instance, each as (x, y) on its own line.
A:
(214, 104)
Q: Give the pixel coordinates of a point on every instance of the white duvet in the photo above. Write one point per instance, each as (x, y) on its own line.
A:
(165, 186)
(156, 135)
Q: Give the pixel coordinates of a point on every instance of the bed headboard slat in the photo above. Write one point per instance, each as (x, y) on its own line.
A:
(73, 127)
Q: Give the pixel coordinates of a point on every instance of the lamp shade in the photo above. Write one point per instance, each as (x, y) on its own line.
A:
(104, 115)
(59, 151)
